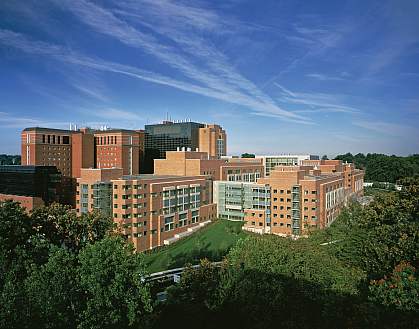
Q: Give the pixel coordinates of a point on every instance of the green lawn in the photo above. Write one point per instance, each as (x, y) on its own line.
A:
(212, 242)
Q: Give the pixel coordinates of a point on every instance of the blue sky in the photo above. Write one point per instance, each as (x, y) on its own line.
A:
(320, 77)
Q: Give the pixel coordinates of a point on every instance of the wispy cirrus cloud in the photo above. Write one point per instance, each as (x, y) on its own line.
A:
(21, 42)
(9, 120)
(324, 77)
(315, 102)
(387, 128)
(196, 60)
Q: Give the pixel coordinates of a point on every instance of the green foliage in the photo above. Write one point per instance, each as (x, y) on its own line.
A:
(384, 168)
(61, 226)
(247, 155)
(53, 291)
(378, 237)
(58, 270)
(110, 274)
(15, 229)
(197, 285)
(324, 157)
(400, 290)
(6, 159)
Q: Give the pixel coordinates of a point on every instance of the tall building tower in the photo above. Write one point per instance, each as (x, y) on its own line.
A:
(213, 140)
(72, 150)
(168, 136)
(119, 148)
(48, 147)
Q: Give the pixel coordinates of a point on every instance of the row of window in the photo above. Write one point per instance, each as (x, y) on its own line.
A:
(55, 139)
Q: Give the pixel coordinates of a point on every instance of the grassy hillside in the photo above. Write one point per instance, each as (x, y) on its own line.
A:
(212, 242)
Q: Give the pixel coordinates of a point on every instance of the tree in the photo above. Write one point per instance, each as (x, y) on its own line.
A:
(111, 276)
(383, 168)
(54, 291)
(324, 157)
(15, 229)
(247, 155)
(400, 289)
(61, 226)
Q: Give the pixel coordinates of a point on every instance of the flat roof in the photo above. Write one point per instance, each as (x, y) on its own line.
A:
(95, 131)
(157, 177)
(116, 130)
(49, 129)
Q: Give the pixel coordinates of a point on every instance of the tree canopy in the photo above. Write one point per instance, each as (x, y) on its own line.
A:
(58, 270)
(384, 168)
(248, 155)
(6, 159)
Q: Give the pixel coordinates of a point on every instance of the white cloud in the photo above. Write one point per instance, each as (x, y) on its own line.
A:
(19, 41)
(213, 73)
(387, 128)
(324, 77)
(315, 102)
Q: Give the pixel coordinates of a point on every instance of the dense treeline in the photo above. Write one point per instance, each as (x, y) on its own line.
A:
(61, 271)
(9, 159)
(384, 168)
(58, 270)
(359, 273)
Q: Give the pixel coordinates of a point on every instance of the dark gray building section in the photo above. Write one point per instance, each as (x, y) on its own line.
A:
(45, 182)
(168, 136)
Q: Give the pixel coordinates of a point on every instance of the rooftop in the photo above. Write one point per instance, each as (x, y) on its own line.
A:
(157, 177)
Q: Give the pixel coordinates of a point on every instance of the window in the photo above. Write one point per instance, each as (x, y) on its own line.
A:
(115, 196)
(313, 192)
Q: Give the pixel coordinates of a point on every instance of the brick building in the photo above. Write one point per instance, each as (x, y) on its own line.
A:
(271, 161)
(150, 210)
(213, 140)
(184, 163)
(71, 150)
(302, 198)
(119, 148)
(94, 190)
(157, 210)
(353, 178)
